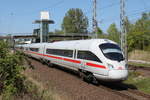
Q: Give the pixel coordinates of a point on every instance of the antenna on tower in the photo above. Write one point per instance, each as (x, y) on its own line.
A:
(94, 23)
(123, 34)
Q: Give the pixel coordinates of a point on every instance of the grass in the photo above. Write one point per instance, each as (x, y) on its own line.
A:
(39, 92)
(142, 83)
(139, 55)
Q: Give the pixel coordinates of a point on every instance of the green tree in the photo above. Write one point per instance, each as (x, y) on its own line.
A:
(99, 32)
(139, 35)
(75, 21)
(57, 31)
(113, 33)
(128, 25)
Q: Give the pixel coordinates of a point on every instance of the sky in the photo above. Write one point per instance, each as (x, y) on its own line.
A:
(17, 16)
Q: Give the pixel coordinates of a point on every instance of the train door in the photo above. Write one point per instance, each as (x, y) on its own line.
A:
(78, 62)
(44, 52)
(83, 64)
(41, 51)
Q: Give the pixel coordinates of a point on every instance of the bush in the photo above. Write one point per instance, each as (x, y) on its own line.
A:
(11, 79)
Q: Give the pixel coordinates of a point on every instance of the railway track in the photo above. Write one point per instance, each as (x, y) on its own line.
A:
(131, 67)
(124, 95)
(144, 71)
(127, 91)
(71, 85)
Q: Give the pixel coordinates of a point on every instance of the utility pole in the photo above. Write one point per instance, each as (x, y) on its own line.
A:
(123, 34)
(41, 32)
(94, 23)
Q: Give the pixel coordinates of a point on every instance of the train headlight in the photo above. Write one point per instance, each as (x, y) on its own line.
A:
(110, 66)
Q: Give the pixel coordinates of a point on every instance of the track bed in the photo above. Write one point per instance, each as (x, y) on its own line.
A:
(70, 86)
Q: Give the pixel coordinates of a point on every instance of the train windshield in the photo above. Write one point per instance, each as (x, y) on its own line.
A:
(112, 51)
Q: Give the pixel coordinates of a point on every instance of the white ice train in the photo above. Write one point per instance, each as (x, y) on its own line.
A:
(100, 59)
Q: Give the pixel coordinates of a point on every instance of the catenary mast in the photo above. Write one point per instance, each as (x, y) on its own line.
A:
(123, 33)
(94, 22)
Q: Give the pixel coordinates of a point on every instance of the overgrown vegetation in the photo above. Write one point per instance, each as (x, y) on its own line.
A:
(14, 85)
(11, 79)
(38, 92)
(142, 83)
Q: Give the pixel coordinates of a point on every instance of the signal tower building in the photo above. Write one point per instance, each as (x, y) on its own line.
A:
(44, 26)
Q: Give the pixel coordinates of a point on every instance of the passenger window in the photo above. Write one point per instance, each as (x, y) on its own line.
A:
(87, 55)
(59, 52)
(34, 49)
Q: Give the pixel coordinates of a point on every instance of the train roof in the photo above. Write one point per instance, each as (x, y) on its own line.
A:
(78, 44)
(70, 44)
(87, 41)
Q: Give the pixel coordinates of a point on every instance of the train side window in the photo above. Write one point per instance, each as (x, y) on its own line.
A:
(87, 55)
(49, 51)
(60, 52)
(68, 53)
(34, 49)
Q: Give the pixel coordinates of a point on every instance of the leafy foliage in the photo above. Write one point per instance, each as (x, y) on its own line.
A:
(4, 49)
(139, 33)
(57, 31)
(11, 79)
(113, 33)
(75, 21)
(99, 32)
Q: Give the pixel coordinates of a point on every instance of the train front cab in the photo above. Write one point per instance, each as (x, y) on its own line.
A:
(115, 62)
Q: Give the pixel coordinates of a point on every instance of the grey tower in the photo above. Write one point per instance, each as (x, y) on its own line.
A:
(44, 26)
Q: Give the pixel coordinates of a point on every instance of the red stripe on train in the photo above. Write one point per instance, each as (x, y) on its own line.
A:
(36, 53)
(65, 59)
(95, 65)
(54, 57)
(70, 60)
